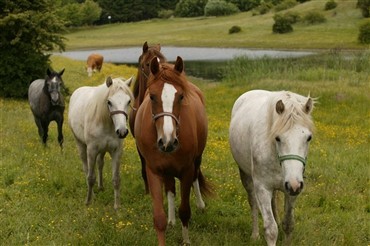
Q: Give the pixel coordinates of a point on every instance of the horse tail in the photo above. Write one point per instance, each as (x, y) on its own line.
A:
(206, 187)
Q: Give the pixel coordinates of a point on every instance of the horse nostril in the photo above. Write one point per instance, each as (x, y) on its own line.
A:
(287, 188)
(301, 185)
(175, 142)
(160, 143)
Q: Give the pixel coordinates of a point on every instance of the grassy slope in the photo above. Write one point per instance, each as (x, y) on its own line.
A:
(340, 31)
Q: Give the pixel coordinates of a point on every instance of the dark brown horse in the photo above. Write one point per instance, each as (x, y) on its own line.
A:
(171, 133)
(149, 52)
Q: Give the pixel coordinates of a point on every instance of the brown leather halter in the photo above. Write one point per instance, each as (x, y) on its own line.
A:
(119, 112)
(156, 116)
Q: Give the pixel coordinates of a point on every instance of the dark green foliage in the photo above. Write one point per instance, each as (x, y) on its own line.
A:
(331, 4)
(166, 13)
(364, 5)
(314, 17)
(28, 29)
(246, 5)
(235, 29)
(292, 17)
(281, 25)
(220, 8)
(190, 8)
(286, 4)
(364, 35)
(264, 8)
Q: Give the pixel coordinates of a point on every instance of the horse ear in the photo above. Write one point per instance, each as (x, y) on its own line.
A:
(129, 81)
(308, 106)
(154, 65)
(158, 47)
(179, 64)
(48, 72)
(61, 72)
(109, 81)
(145, 47)
(280, 107)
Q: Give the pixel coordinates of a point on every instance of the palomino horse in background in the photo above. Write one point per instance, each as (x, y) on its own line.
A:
(269, 138)
(97, 117)
(140, 86)
(94, 63)
(47, 103)
(175, 122)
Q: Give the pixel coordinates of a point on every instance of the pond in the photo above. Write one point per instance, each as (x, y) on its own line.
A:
(207, 63)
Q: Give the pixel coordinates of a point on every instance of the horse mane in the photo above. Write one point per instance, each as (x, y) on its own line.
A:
(293, 113)
(98, 104)
(167, 73)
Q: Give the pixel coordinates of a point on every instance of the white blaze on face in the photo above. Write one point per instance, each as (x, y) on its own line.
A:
(168, 96)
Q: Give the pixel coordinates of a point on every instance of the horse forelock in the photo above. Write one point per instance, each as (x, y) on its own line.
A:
(99, 106)
(167, 74)
(293, 113)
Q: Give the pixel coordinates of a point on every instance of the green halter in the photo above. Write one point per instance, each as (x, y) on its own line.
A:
(292, 157)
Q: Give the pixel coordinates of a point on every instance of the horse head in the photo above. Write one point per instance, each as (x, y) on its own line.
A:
(166, 90)
(292, 142)
(118, 102)
(53, 83)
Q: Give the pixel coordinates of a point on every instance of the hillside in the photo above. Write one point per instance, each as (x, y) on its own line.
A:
(339, 31)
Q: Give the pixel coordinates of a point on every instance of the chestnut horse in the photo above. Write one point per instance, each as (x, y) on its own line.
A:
(175, 122)
(149, 52)
(94, 63)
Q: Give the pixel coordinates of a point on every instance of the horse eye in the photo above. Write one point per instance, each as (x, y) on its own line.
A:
(129, 101)
(152, 97)
(109, 103)
(309, 138)
(277, 139)
(181, 97)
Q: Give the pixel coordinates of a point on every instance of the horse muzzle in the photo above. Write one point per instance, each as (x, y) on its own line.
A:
(293, 187)
(122, 134)
(167, 146)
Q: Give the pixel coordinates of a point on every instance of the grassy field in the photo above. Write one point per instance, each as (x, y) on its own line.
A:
(340, 31)
(42, 189)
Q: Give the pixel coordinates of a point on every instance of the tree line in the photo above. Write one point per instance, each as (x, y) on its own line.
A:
(31, 29)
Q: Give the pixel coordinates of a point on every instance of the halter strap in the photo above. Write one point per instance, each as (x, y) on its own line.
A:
(119, 112)
(155, 117)
(292, 157)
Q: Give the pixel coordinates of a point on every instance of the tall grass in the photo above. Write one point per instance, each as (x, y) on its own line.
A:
(42, 189)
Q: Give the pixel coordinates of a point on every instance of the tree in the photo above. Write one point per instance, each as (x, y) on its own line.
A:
(28, 29)
(364, 5)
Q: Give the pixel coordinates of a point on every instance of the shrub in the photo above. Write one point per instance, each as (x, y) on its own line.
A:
(165, 13)
(219, 8)
(330, 5)
(293, 17)
(313, 17)
(282, 24)
(364, 35)
(264, 8)
(286, 4)
(235, 29)
(190, 8)
(364, 5)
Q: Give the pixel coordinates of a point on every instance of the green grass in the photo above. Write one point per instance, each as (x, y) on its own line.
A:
(340, 31)
(42, 190)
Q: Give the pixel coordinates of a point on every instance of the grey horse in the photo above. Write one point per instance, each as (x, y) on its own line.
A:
(47, 103)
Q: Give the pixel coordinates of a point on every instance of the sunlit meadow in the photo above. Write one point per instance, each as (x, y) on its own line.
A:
(42, 189)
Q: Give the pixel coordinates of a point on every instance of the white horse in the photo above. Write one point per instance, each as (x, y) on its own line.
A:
(269, 138)
(97, 117)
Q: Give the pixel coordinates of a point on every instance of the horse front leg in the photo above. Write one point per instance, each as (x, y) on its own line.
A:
(60, 132)
(100, 162)
(159, 216)
(184, 210)
(288, 222)
(45, 130)
(170, 188)
(116, 157)
(143, 172)
(264, 200)
(90, 178)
